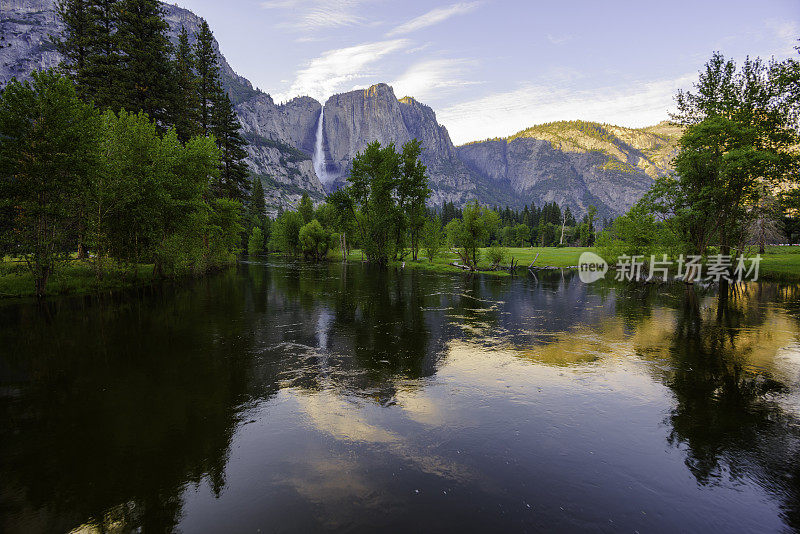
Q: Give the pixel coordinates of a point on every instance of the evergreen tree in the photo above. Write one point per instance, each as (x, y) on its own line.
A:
(147, 81)
(306, 208)
(234, 176)
(258, 206)
(76, 44)
(103, 69)
(91, 50)
(207, 68)
(186, 104)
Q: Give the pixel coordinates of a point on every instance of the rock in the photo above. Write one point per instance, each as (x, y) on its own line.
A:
(572, 163)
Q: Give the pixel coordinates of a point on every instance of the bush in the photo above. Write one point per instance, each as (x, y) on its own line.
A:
(314, 240)
(496, 255)
(255, 245)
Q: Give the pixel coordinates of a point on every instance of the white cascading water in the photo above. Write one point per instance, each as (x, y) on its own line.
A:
(319, 156)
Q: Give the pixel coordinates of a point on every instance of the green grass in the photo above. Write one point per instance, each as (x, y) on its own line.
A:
(782, 263)
(548, 257)
(75, 278)
(778, 263)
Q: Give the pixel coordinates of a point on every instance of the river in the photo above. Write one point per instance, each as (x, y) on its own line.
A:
(299, 398)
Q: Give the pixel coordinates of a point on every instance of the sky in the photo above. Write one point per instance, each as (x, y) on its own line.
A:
(490, 68)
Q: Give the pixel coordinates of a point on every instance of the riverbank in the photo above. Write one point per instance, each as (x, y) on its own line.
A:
(549, 257)
(78, 277)
(777, 263)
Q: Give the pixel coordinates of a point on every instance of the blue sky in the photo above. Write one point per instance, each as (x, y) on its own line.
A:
(493, 67)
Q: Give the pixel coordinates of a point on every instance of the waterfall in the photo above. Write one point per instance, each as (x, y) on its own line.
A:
(319, 154)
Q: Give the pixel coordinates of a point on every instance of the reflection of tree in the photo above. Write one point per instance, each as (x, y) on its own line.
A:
(354, 327)
(727, 414)
(118, 405)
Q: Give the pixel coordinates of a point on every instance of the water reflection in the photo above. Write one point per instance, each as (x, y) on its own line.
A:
(334, 396)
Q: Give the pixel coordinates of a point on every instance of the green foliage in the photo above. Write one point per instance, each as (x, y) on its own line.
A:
(495, 255)
(207, 69)
(186, 101)
(48, 154)
(739, 145)
(314, 240)
(374, 178)
(286, 233)
(255, 244)
(638, 233)
(433, 238)
(258, 205)
(468, 234)
(306, 208)
(147, 73)
(234, 176)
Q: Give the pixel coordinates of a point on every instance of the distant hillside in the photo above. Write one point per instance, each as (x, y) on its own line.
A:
(573, 163)
(577, 163)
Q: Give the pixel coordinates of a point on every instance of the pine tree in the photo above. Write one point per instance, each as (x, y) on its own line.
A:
(147, 81)
(76, 44)
(186, 105)
(91, 50)
(257, 204)
(103, 70)
(234, 175)
(207, 68)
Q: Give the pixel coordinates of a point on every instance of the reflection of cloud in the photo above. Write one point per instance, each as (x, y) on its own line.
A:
(418, 406)
(331, 415)
(434, 16)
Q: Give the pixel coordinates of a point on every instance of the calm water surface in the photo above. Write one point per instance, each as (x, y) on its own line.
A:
(279, 398)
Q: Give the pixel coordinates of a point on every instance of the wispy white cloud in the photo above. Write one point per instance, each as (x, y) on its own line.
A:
(558, 39)
(339, 69)
(504, 113)
(434, 16)
(313, 15)
(787, 33)
(433, 78)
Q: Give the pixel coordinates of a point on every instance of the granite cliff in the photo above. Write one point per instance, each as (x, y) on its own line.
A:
(573, 163)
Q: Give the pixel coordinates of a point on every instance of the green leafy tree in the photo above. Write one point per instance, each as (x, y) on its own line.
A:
(286, 233)
(433, 238)
(468, 234)
(314, 240)
(413, 192)
(738, 144)
(373, 180)
(496, 255)
(255, 245)
(75, 44)
(48, 152)
(91, 50)
(257, 203)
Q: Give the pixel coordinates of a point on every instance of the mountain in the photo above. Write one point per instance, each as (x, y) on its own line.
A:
(577, 163)
(26, 27)
(354, 119)
(573, 163)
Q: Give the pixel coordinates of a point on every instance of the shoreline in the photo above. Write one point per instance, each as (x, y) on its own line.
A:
(78, 277)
